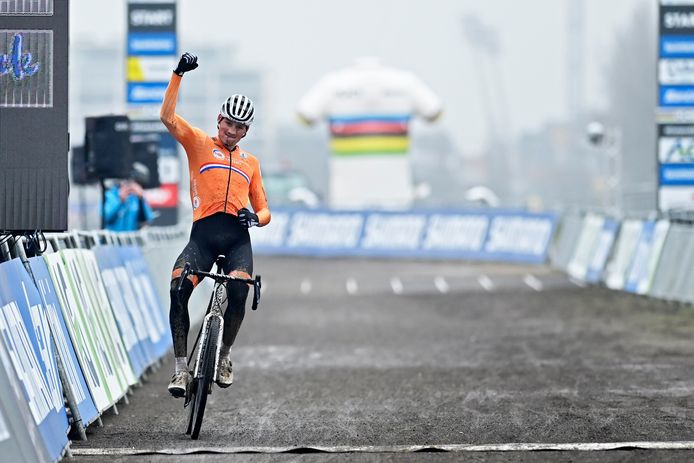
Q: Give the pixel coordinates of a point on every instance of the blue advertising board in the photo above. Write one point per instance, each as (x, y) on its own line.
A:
(151, 43)
(146, 92)
(603, 247)
(515, 236)
(679, 96)
(26, 334)
(639, 265)
(677, 174)
(148, 299)
(677, 46)
(66, 350)
(125, 310)
(676, 104)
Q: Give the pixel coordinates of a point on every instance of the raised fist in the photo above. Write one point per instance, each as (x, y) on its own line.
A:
(187, 63)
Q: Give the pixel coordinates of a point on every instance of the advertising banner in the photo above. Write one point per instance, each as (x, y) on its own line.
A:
(156, 318)
(675, 166)
(676, 71)
(20, 439)
(621, 261)
(593, 225)
(150, 68)
(89, 345)
(79, 334)
(98, 308)
(639, 265)
(151, 58)
(126, 273)
(66, 351)
(130, 325)
(27, 337)
(601, 252)
(675, 143)
(484, 235)
(662, 228)
(676, 104)
(151, 16)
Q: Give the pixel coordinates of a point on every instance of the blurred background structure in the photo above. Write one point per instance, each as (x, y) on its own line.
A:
(521, 84)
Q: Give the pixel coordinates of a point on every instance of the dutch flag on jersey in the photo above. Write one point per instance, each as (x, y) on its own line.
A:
(215, 165)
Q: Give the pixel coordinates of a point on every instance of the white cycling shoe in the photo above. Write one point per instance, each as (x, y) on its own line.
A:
(225, 374)
(179, 383)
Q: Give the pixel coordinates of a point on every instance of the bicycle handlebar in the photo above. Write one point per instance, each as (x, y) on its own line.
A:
(219, 278)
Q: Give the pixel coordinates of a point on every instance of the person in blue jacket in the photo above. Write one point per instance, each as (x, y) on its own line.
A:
(125, 208)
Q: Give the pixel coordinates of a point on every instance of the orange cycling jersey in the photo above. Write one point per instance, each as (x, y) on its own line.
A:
(220, 181)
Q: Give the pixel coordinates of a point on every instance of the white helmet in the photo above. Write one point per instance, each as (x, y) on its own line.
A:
(238, 108)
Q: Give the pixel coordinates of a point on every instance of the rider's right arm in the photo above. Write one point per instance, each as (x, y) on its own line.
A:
(179, 127)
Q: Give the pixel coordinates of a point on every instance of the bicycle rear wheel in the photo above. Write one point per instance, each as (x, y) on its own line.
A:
(203, 382)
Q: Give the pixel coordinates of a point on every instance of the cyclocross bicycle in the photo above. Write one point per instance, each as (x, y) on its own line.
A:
(210, 337)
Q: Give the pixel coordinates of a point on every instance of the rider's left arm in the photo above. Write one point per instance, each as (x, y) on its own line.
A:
(258, 198)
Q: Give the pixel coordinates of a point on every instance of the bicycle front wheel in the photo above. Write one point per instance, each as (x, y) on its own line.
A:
(205, 377)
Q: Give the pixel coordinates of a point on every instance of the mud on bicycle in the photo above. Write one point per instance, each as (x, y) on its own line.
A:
(210, 339)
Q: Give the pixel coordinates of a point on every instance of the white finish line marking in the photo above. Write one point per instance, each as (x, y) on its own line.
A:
(511, 447)
(485, 282)
(533, 282)
(351, 286)
(441, 284)
(396, 285)
(305, 286)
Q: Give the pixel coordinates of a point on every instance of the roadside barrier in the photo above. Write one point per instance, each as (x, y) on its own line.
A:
(565, 239)
(72, 379)
(601, 250)
(29, 356)
(80, 325)
(587, 241)
(675, 264)
(506, 236)
(647, 256)
(618, 265)
(20, 439)
(160, 250)
(642, 256)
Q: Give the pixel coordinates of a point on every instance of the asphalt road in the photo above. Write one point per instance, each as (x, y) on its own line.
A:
(357, 360)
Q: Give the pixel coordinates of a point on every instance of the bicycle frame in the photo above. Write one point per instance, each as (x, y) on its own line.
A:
(220, 279)
(207, 360)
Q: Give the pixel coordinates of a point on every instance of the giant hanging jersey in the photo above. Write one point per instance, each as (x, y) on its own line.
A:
(220, 181)
(369, 107)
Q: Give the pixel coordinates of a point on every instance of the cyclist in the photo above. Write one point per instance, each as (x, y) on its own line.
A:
(223, 177)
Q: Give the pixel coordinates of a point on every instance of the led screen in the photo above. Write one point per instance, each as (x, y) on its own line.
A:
(26, 69)
(26, 7)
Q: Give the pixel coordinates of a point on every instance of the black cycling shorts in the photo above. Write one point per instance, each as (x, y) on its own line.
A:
(211, 236)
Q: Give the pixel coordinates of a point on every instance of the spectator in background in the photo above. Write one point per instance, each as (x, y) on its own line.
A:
(125, 209)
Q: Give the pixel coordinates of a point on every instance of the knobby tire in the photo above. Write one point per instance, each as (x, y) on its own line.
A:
(204, 381)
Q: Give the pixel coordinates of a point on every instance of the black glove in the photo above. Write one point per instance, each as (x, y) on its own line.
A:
(187, 63)
(247, 218)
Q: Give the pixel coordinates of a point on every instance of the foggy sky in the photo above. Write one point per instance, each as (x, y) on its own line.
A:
(297, 41)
